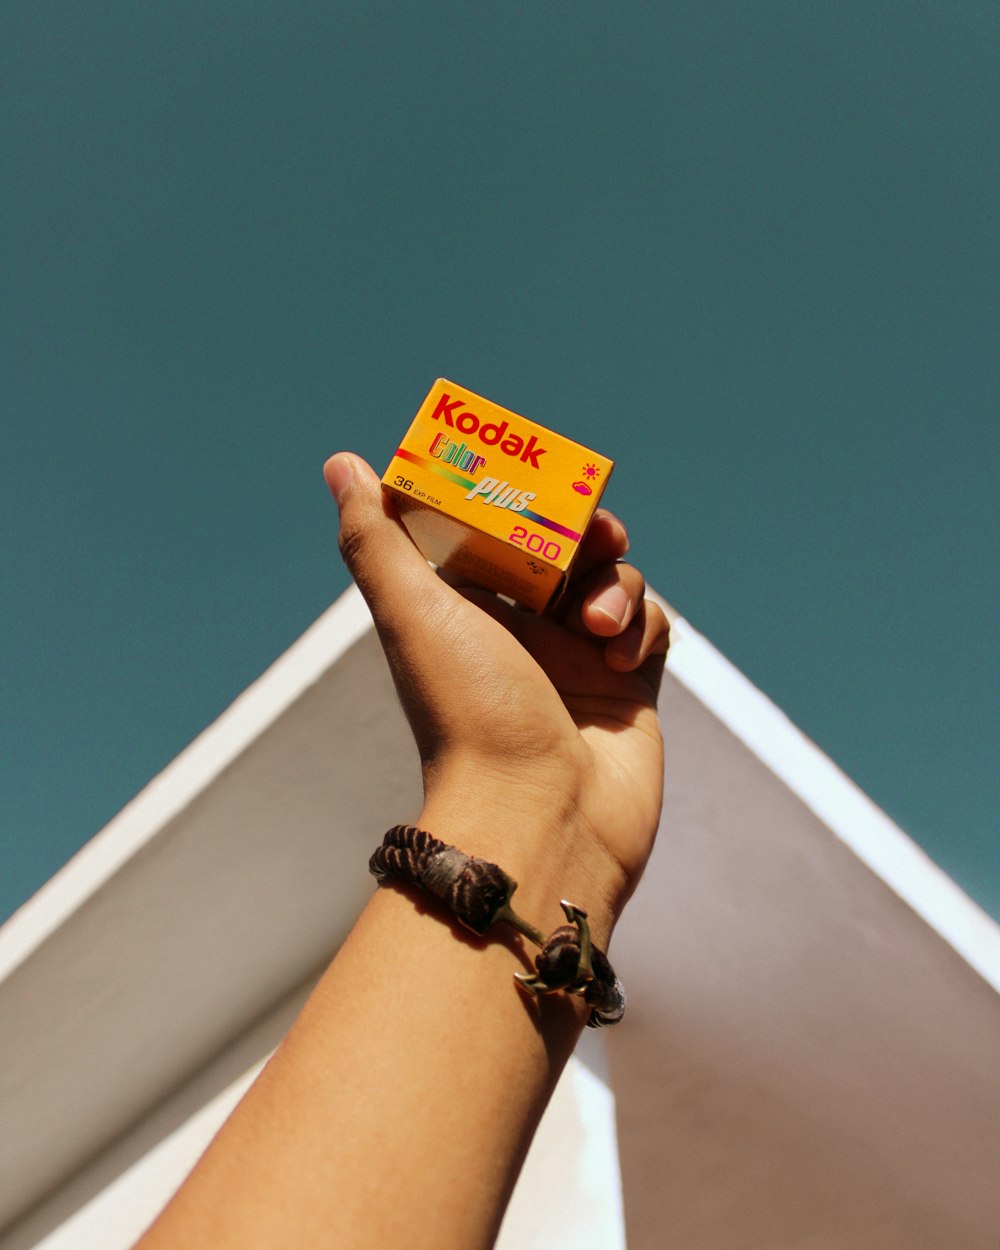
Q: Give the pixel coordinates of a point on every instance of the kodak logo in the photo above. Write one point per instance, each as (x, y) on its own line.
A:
(495, 435)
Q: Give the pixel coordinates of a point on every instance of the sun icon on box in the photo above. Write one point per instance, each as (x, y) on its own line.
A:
(588, 473)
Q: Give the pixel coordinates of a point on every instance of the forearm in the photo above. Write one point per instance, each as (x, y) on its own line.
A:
(399, 1109)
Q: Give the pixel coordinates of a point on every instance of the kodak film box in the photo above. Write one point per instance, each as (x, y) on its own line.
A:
(492, 496)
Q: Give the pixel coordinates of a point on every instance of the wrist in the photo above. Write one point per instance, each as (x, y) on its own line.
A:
(478, 893)
(541, 839)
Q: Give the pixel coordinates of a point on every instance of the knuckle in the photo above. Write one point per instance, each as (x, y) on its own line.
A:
(633, 581)
(658, 626)
(352, 541)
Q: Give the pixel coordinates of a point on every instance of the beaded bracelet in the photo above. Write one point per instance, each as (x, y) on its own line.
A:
(478, 894)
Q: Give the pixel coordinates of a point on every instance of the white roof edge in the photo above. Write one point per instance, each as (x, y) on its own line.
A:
(171, 790)
(719, 685)
(835, 799)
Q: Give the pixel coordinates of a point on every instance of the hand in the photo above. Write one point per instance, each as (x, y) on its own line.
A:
(538, 736)
(541, 751)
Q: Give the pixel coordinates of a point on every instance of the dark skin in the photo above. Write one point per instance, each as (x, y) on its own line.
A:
(541, 751)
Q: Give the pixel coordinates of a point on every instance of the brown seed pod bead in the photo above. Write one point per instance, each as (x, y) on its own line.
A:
(474, 890)
(605, 994)
(559, 960)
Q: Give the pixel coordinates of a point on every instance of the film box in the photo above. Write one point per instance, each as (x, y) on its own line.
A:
(492, 496)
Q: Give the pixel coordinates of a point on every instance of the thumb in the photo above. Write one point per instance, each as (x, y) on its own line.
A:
(391, 574)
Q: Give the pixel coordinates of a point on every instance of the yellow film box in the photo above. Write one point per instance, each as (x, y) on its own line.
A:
(492, 496)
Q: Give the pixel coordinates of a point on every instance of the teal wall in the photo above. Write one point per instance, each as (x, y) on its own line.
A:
(750, 251)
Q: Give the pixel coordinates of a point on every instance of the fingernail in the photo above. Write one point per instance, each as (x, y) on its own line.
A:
(339, 474)
(613, 603)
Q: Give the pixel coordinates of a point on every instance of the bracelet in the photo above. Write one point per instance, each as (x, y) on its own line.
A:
(478, 894)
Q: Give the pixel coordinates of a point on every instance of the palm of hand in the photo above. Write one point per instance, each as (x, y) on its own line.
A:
(543, 711)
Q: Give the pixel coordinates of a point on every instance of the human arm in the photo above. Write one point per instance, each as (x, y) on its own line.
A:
(400, 1106)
